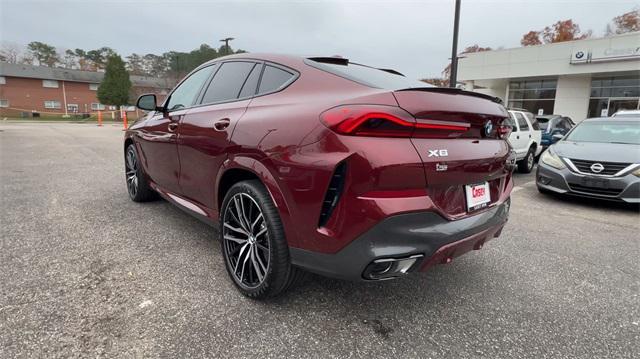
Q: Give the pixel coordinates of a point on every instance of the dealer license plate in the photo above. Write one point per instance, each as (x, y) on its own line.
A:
(478, 196)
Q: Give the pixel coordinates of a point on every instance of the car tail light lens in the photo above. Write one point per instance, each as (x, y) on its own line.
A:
(504, 130)
(385, 121)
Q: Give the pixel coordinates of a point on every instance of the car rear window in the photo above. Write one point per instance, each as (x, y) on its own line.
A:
(609, 132)
(274, 79)
(543, 122)
(368, 76)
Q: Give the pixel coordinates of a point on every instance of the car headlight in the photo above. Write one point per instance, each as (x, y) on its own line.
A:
(551, 159)
(636, 172)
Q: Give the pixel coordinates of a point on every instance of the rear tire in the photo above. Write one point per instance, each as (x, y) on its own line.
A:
(526, 164)
(251, 234)
(137, 184)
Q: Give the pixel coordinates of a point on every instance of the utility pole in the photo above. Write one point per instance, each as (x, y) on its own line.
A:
(453, 78)
(226, 44)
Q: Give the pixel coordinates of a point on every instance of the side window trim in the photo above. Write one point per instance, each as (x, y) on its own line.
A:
(195, 102)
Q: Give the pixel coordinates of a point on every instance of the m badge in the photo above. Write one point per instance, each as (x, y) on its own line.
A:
(438, 153)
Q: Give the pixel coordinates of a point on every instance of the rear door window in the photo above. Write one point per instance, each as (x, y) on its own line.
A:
(274, 79)
(250, 85)
(228, 82)
(522, 122)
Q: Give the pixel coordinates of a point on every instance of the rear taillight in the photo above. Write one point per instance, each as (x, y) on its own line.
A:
(504, 130)
(386, 121)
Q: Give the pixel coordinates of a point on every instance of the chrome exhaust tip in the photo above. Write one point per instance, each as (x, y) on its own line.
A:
(389, 268)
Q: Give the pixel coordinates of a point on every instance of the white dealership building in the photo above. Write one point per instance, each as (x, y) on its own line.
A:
(579, 79)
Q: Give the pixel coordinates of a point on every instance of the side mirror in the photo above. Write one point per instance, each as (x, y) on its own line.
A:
(557, 137)
(147, 102)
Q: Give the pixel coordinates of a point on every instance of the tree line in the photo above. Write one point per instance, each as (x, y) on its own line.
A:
(169, 64)
(562, 30)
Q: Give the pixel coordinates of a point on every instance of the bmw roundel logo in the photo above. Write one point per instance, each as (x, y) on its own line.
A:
(488, 127)
(579, 55)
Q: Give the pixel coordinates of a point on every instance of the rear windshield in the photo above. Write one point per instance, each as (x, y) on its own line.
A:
(368, 76)
(614, 132)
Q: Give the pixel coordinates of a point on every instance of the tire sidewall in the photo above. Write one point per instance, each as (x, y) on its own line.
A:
(275, 235)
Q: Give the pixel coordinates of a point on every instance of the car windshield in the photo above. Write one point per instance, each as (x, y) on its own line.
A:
(369, 76)
(609, 132)
(543, 122)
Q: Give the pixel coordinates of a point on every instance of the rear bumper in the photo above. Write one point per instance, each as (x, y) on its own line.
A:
(428, 234)
(625, 188)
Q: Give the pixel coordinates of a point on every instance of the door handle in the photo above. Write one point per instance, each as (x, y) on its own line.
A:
(172, 126)
(221, 125)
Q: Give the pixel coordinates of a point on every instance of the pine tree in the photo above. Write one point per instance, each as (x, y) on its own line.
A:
(114, 89)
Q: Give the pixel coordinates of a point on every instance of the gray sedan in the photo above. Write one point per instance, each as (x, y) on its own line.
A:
(599, 158)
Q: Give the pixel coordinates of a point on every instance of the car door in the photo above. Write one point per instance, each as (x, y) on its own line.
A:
(204, 135)
(157, 138)
(519, 136)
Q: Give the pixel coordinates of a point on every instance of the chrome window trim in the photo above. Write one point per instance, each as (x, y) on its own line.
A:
(620, 173)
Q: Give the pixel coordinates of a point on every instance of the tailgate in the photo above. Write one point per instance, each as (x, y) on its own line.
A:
(455, 160)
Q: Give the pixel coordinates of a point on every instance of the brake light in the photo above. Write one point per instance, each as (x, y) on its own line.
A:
(385, 121)
(504, 130)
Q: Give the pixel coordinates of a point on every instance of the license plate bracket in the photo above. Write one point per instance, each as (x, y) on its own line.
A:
(594, 182)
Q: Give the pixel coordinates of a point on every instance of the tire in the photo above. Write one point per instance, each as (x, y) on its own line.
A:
(251, 234)
(526, 164)
(137, 184)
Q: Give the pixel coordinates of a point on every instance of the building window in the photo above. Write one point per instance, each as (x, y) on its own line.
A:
(72, 107)
(97, 107)
(4, 103)
(611, 94)
(113, 108)
(94, 87)
(52, 104)
(3, 80)
(536, 96)
(50, 84)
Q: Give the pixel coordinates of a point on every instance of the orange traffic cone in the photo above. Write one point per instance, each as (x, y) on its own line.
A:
(99, 118)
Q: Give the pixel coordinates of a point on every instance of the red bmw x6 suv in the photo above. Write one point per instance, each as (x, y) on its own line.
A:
(324, 165)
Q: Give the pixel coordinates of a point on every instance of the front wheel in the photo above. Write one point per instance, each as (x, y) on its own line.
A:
(254, 246)
(526, 164)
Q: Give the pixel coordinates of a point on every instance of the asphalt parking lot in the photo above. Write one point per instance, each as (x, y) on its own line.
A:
(85, 272)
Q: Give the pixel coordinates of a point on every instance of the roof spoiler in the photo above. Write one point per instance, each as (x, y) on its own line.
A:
(330, 60)
(454, 91)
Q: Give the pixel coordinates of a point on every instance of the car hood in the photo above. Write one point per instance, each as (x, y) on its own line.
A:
(592, 151)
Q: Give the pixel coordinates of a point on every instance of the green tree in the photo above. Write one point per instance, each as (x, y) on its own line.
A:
(99, 57)
(44, 53)
(114, 89)
(135, 64)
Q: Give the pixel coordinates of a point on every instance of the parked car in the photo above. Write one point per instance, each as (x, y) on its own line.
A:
(627, 113)
(599, 158)
(525, 138)
(324, 165)
(551, 125)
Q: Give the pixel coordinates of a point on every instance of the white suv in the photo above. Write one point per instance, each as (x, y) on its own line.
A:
(525, 138)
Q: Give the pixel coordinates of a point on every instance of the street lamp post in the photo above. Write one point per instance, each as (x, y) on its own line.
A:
(453, 76)
(226, 44)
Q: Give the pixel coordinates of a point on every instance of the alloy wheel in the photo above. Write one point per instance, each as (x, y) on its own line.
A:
(530, 161)
(131, 165)
(246, 240)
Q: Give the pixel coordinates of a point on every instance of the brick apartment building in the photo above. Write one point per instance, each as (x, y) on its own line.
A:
(28, 89)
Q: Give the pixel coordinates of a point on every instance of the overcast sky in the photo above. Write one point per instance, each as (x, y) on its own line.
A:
(412, 37)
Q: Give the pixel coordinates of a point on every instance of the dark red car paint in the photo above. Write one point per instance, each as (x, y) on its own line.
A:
(280, 139)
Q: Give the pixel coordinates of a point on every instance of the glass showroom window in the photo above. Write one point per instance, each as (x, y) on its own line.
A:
(614, 93)
(535, 96)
